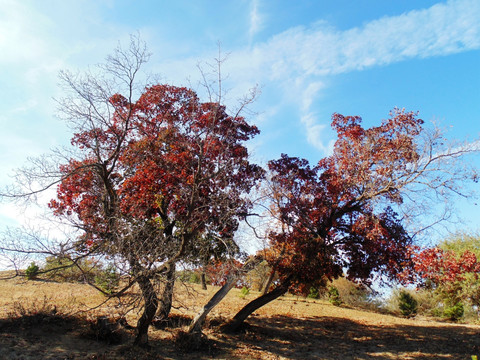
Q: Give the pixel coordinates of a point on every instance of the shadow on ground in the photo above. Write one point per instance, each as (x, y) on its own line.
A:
(337, 338)
(279, 337)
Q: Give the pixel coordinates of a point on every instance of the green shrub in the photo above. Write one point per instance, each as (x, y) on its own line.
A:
(244, 292)
(194, 278)
(189, 276)
(334, 296)
(407, 304)
(454, 312)
(65, 270)
(107, 279)
(314, 293)
(352, 294)
(32, 271)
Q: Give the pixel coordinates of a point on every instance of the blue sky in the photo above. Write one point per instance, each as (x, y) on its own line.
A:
(310, 59)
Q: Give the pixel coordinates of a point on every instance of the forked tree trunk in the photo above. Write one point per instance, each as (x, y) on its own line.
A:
(149, 311)
(167, 295)
(204, 281)
(197, 323)
(247, 310)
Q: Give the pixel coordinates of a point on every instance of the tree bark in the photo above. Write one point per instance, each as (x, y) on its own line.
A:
(204, 281)
(197, 323)
(167, 295)
(269, 282)
(150, 309)
(260, 285)
(247, 310)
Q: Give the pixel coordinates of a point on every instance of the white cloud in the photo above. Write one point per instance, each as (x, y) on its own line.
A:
(320, 50)
(300, 56)
(315, 132)
(289, 62)
(309, 94)
(256, 21)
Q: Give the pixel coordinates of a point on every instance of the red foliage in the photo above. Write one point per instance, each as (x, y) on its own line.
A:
(218, 271)
(444, 267)
(168, 161)
(332, 216)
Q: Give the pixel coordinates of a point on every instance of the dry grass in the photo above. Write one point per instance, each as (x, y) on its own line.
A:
(41, 320)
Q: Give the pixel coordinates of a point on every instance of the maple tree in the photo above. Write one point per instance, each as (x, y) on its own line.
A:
(182, 172)
(150, 176)
(338, 217)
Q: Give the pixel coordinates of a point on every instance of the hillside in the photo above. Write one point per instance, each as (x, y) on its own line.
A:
(55, 326)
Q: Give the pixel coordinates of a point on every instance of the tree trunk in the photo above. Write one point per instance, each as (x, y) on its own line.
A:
(166, 300)
(204, 281)
(151, 304)
(197, 323)
(237, 321)
(260, 285)
(269, 282)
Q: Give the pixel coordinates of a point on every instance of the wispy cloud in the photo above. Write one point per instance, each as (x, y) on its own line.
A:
(300, 57)
(256, 21)
(294, 62)
(315, 132)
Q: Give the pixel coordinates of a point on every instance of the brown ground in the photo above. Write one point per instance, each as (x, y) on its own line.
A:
(289, 328)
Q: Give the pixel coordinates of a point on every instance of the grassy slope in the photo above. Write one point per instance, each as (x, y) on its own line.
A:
(289, 328)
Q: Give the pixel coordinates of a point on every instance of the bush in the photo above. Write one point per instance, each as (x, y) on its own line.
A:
(314, 293)
(334, 296)
(407, 304)
(428, 302)
(107, 279)
(191, 342)
(32, 271)
(106, 330)
(244, 292)
(64, 269)
(195, 278)
(353, 295)
(189, 276)
(454, 312)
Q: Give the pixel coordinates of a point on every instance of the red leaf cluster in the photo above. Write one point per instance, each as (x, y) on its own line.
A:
(168, 160)
(331, 217)
(444, 267)
(218, 272)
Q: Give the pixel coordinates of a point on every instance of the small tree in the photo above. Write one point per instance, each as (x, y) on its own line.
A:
(32, 271)
(334, 296)
(407, 304)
